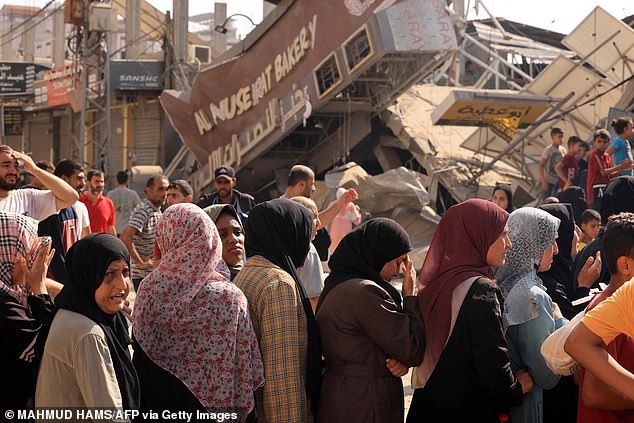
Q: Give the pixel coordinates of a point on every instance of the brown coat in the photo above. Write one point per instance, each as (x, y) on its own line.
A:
(360, 328)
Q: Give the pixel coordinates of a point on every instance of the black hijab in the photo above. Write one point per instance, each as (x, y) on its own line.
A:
(280, 231)
(558, 279)
(87, 261)
(509, 195)
(618, 197)
(576, 197)
(363, 253)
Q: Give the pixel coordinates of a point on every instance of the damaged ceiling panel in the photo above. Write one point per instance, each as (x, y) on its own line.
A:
(508, 41)
(606, 43)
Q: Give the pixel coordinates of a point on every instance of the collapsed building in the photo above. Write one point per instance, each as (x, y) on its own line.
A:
(368, 104)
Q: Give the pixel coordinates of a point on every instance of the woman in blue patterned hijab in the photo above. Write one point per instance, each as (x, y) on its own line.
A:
(528, 310)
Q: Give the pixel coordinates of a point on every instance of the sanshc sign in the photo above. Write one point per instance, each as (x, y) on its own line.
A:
(136, 75)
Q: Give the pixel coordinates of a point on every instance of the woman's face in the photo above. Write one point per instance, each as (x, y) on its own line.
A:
(232, 239)
(114, 288)
(392, 268)
(499, 198)
(547, 258)
(496, 255)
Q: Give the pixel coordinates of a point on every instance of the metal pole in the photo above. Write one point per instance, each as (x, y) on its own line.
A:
(521, 138)
(497, 56)
(106, 82)
(489, 68)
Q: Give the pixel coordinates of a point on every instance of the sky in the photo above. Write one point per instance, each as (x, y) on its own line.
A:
(557, 15)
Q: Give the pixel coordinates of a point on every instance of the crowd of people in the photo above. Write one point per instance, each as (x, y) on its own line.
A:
(235, 317)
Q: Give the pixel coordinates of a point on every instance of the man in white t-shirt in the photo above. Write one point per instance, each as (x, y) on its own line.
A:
(38, 204)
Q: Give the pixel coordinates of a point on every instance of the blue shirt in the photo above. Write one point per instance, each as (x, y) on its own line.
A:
(524, 343)
(623, 151)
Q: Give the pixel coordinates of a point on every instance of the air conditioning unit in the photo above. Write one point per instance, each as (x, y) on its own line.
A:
(199, 52)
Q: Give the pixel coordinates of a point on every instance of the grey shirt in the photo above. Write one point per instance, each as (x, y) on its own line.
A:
(125, 200)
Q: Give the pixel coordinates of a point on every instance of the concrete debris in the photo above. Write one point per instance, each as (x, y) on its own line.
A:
(398, 194)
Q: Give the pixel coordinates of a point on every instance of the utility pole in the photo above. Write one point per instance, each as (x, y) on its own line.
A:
(218, 39)
(59, 40)
(28, 44)
(95, 79)
(132, 28)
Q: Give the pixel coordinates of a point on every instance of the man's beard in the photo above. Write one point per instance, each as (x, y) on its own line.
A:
(95, 191)
(158, 203)
(4, 185)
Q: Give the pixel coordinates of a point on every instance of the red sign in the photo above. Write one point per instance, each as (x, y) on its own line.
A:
(59, 82)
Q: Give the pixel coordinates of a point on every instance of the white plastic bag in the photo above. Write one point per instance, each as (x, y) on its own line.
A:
(556, 358)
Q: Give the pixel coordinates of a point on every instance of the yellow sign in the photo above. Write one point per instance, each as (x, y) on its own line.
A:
(470, 113)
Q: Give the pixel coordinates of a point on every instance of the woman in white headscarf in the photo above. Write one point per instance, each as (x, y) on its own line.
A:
(528, 310)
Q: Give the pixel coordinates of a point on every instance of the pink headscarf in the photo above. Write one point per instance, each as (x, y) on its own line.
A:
(458, 252)
(17, 234)
(190, 320)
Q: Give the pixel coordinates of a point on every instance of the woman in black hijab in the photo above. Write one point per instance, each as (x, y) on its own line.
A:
(86, 361)
(502, 195)
(369, 334)
(576, 197)
(278, 234)
(558, 279)
(560, 403)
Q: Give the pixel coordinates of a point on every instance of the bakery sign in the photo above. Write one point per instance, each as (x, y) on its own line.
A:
(237, 103)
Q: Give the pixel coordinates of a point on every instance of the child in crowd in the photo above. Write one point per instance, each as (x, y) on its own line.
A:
(568, 167)
(620, 149)
(600, 169)
(582, 164)
(602, 328)
(590, 224)
(552, 155)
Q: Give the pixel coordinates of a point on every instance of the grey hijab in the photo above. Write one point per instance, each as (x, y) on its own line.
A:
(531, 232)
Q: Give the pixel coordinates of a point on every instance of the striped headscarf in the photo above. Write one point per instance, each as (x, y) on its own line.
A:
(17, 234)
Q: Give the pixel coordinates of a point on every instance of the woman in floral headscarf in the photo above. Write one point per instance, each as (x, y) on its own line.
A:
(528, 310)
(24, 306)
(196, 346)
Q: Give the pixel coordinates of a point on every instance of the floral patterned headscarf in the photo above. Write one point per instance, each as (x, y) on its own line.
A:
(17, 234)
(190, 320)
